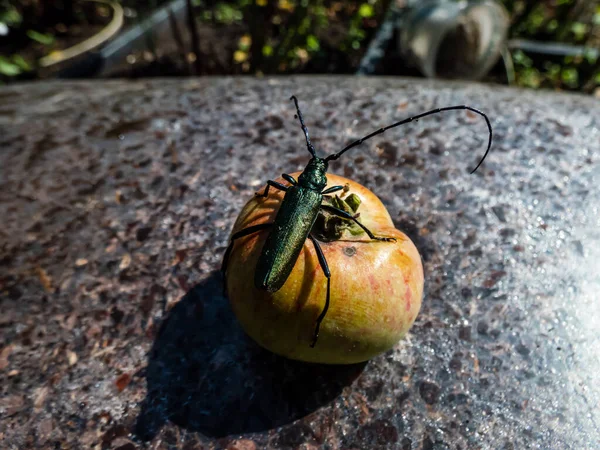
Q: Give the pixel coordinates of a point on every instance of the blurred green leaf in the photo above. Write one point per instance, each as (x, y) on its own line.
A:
(365, 10)
(570, 77)
(552, 26)
(591, 56)
(312, 43)
(11, 17)
(552, 70)
(20, 61)
(321, 16)
(522, 59)
(42, 38)
(579, 30)
(227, 14)
(267, 50)
(8, 68)
(535, 19)
(530, 77)
(245, 42)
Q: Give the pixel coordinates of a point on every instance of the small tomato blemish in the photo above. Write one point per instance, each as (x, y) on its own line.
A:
(408, 293)
(373, 282)
(349, 251)
(408, 298)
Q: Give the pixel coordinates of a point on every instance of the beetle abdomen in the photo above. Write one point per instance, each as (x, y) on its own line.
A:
(294, 220)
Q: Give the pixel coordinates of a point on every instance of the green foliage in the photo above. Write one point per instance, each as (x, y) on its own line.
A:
(13, 66)
(21, 63)
(573, 22)
(522, 59)
(42, 38)
(312, 43)
(289, 33)
(267, 50)
(8, 67)
(365, 10)
(570, 77)
(224, 13)
(580, 30)
(11, 16)
(283, 36)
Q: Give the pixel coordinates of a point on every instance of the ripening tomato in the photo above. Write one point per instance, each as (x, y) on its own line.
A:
(376, 287)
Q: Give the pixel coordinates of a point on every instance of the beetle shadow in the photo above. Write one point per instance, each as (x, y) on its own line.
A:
(204, 374)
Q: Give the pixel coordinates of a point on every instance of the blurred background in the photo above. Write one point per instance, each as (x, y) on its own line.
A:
(550, 44)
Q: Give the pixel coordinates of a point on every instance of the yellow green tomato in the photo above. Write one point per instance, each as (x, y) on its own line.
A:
(376, 287)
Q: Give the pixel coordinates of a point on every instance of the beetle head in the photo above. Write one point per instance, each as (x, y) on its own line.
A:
(314, 176)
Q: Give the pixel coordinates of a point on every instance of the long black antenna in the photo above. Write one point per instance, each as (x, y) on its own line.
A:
(410, 119)
(309, 146)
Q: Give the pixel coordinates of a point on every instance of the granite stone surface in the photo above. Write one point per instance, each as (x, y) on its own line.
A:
(117, 199)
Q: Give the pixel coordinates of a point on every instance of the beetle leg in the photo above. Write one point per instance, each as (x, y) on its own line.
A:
(271, 183)
(239, 234)
(345, 215)
(289, 179)
(332, 189)
(325, 267)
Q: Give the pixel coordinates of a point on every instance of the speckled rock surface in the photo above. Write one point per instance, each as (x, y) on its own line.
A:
(117, 199)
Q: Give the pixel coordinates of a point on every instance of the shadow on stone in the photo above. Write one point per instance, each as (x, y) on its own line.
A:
(204, 374)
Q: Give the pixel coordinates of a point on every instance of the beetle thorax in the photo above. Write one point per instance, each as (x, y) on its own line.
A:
(314, 175)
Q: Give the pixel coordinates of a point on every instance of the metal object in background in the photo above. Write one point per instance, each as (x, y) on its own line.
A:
(447, 39)
(553, 48)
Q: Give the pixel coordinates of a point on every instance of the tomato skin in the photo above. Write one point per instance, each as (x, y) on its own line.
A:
(376, 287)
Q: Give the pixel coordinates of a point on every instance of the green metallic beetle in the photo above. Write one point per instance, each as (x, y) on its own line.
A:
(300, 208)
